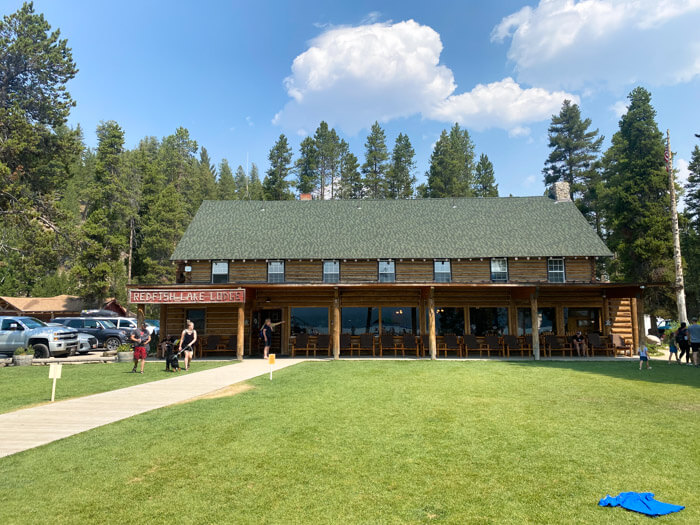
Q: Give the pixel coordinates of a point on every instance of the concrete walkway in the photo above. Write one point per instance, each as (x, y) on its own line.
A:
(32, 427)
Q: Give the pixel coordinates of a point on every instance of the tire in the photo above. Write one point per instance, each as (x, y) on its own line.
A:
(112, 343)
(41, 351)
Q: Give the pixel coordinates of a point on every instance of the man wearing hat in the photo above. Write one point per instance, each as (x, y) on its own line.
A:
(694, 333)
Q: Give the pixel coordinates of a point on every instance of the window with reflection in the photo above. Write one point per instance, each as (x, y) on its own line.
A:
(197, 316)
(312, 321)
(386, 272)
(488, 321)
(331, 271)
(584, 319)
(449, 320)
(547, 318)
(399, 320)
(275, 271)
(442, 271)
(555, 270)
(219, 272)
(499, 270)
(359, 320)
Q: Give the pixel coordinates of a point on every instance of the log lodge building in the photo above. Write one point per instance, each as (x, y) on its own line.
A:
(438, 272)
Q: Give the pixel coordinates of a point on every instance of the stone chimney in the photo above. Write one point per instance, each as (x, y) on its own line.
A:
(560, 192)
(305, 197)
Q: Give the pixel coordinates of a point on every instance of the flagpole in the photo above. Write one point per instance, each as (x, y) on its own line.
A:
(678, 262)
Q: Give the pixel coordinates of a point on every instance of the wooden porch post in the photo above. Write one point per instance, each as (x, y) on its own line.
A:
(240, 334)
(640, 321)
(606, 316)
(561, 327)
(534, 314)
(635, 323)
(431, 324)
(336, 324)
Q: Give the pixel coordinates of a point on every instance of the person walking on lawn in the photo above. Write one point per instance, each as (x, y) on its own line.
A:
(644, 357)
(672, 348)
(141, 338)
(683, 343)
(694, 331)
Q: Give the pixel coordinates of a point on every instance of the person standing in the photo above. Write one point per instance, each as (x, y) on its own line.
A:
(694, 332)
(267, 329)
(672, 348)
(140, 338)
(188, 338)
(644, 357)
(683, 343)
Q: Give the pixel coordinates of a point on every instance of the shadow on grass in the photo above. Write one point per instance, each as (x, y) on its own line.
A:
(661, 371)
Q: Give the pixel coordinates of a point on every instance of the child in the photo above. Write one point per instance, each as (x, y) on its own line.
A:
(643, 357)
(672, 348)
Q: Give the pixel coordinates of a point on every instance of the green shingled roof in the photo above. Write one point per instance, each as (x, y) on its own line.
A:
(378, 229)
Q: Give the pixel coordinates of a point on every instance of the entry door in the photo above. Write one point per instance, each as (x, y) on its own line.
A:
(259, 319)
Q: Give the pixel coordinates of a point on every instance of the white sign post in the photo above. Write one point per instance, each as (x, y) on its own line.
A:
(54, 373)
(271, 360)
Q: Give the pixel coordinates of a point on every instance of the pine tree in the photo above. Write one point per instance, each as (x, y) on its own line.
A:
(100, 268)
(692, 189)
(484, 180)
(690, 234)
(451, 171)
(306, 167)
(242, 183)
(573, 159)
(255, 187)
(637, 204)
(400, 178)
(327, 158)
(275, 184)
(350, 185)
(207, 176)
(226, 185)
(375, 167)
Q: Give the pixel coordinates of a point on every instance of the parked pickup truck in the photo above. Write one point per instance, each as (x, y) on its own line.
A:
(46, 340)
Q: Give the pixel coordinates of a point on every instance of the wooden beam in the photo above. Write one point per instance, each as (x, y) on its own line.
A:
(140, 314)
(240, 333)
(606, 316)
(635, 324)
(336, 324)
(432, 343)
(534, 314)
(560, 329)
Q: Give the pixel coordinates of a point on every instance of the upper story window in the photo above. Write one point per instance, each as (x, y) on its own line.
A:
(275, 271)
(387, 274)
(442, 271)
(555, 270)
(219, 272)
(499, 270)
(331, 271)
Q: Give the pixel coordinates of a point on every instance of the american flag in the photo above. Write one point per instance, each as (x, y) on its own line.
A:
(667, 158)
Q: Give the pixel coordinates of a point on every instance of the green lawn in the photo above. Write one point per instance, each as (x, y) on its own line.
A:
(22, 386)
(384, 442)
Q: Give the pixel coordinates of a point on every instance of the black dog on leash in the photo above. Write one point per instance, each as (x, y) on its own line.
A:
(171, 362)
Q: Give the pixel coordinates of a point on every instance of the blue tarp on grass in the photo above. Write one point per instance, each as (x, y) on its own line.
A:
(642, 502)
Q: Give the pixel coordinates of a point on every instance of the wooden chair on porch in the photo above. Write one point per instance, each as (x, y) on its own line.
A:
(303, 344)
(425, 344)
(345, 343)
(410, 344)
(471, 344)
(388, 342)
(211, 344)
(232, 345)
(595, 343)
(323, 344)
(450, 343)
(366, 344)
(555, 343)
(513, 344)
(618, 343)
(492, 344)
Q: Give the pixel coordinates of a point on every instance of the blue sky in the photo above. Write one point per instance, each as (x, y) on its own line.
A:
(237, 74)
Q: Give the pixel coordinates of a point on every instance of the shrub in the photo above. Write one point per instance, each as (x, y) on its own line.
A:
(22, 350)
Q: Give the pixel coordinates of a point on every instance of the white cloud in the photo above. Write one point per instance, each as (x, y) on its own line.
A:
(352, 76)
(502, 104)
(613, 43)
(250, 121)
(619, 108)
(529, 180)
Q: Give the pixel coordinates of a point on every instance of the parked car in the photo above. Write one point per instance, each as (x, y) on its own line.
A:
(107, 334)
(123, 323)
(153, 326)
(47, 341)
(87, 343)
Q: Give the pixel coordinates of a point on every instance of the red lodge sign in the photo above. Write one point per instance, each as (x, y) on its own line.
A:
(186, 296)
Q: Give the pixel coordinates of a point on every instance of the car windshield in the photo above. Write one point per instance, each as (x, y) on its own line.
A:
(30, 322)
(108, 324)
